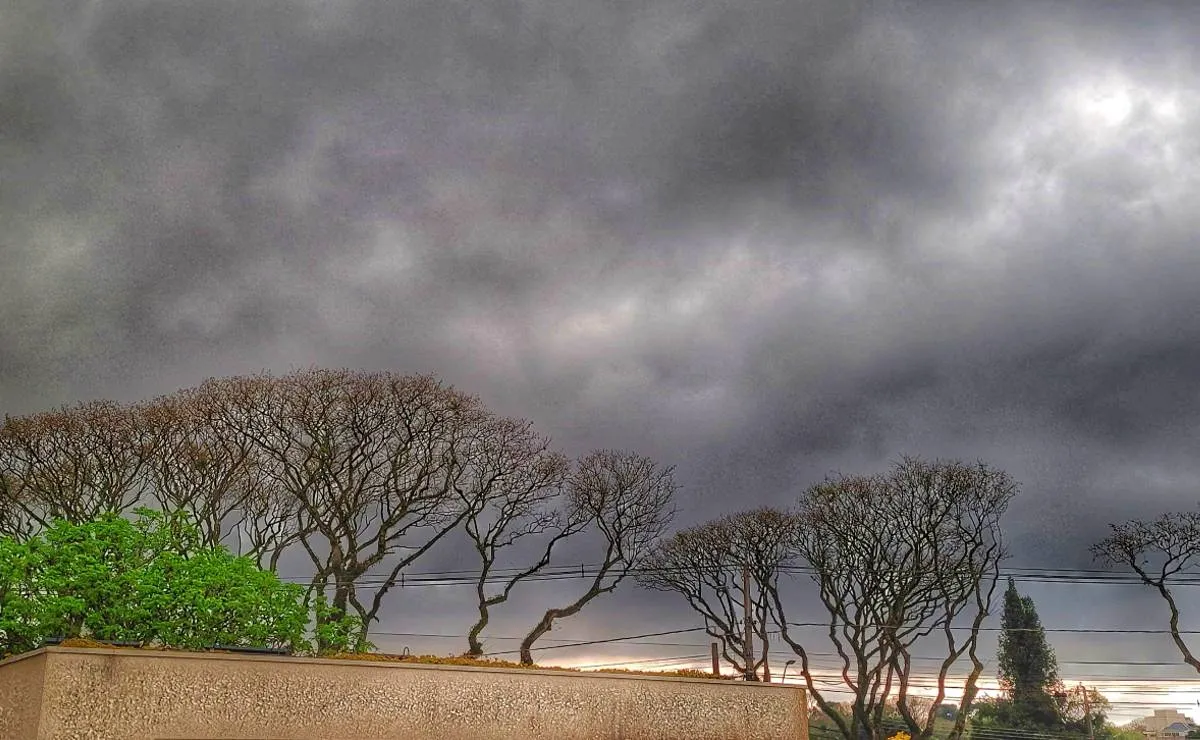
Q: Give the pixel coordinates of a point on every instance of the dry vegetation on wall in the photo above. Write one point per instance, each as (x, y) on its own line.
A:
(450, 660)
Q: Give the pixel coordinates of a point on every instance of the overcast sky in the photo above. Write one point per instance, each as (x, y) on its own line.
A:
(762, 241)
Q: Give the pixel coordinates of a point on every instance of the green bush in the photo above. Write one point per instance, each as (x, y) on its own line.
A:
(148, 580)
(338, 633)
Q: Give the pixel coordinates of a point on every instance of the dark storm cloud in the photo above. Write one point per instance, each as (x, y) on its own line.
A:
(762, 241)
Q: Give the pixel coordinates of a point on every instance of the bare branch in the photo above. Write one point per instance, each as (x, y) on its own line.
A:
(514, 503)
(1157, 551)
(704, 565)
(626, 499)
(373, 464)
(895, 558)
(75, 463)
(204, 463)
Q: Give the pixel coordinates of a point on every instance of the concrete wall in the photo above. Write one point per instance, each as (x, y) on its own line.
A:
(21, 696)
(145, 695)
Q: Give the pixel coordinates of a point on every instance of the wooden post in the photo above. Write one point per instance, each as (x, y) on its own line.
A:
(751, 674)
(766, 658)
(716, 661)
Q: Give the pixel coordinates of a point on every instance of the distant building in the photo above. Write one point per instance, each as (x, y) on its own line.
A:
(1166, 724)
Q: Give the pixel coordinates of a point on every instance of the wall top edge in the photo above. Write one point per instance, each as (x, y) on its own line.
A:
(302, 660)
(10, 660)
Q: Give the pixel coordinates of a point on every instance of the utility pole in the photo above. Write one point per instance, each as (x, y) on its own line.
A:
(1087, 711)
(751, 674)
(716, 662)
(766, 658)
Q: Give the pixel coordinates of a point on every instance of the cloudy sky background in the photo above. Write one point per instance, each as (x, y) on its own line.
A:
(762, 241)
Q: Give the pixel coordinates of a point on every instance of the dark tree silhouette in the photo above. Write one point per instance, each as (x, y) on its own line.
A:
(1158, 552)
(900, 558)
(707, 565)
(525, 506)
(627, 500)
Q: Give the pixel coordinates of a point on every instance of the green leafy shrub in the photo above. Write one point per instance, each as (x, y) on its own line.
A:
(20, 628)
(338, 633)
(149, 580)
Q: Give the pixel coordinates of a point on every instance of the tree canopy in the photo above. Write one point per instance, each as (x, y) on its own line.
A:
(1160, 552)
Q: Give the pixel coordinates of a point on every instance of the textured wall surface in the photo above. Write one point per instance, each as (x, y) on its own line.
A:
(136, 695)
(21, 696)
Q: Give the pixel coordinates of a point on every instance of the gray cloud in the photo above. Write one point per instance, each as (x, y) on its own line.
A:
(763, 242)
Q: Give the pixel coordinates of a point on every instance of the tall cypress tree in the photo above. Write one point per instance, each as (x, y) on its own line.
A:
(1028, 668)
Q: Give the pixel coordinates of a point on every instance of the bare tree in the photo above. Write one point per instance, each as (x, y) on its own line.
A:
(899, 558)
(376, 465)
(15, 519)
(248, 488)
(960, 507)
(708, 565)
(74, 463)
(522, 480)
(204, 463)
(627, 499)
(271, 521)
(1157, 552)
(362, 472)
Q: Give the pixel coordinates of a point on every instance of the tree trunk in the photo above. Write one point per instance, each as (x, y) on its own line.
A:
(536, 634)
(567, 611)
(474, 645)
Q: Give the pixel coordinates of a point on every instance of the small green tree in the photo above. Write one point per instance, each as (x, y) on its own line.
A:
(213, 598)
(148, 580)
(1028, 668)
(335, 632)
(1028, 672)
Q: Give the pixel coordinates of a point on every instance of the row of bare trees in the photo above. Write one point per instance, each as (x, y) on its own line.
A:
(906, 557)
(363, 473)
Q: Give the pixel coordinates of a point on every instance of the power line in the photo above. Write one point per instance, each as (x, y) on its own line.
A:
(465, 577)
(836, 686)
(647, 661)
(1025, 731)
(1017, 572)
(604, 641)
(1076, 630)
(916, 681)
(648, 643)
(636, 640)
